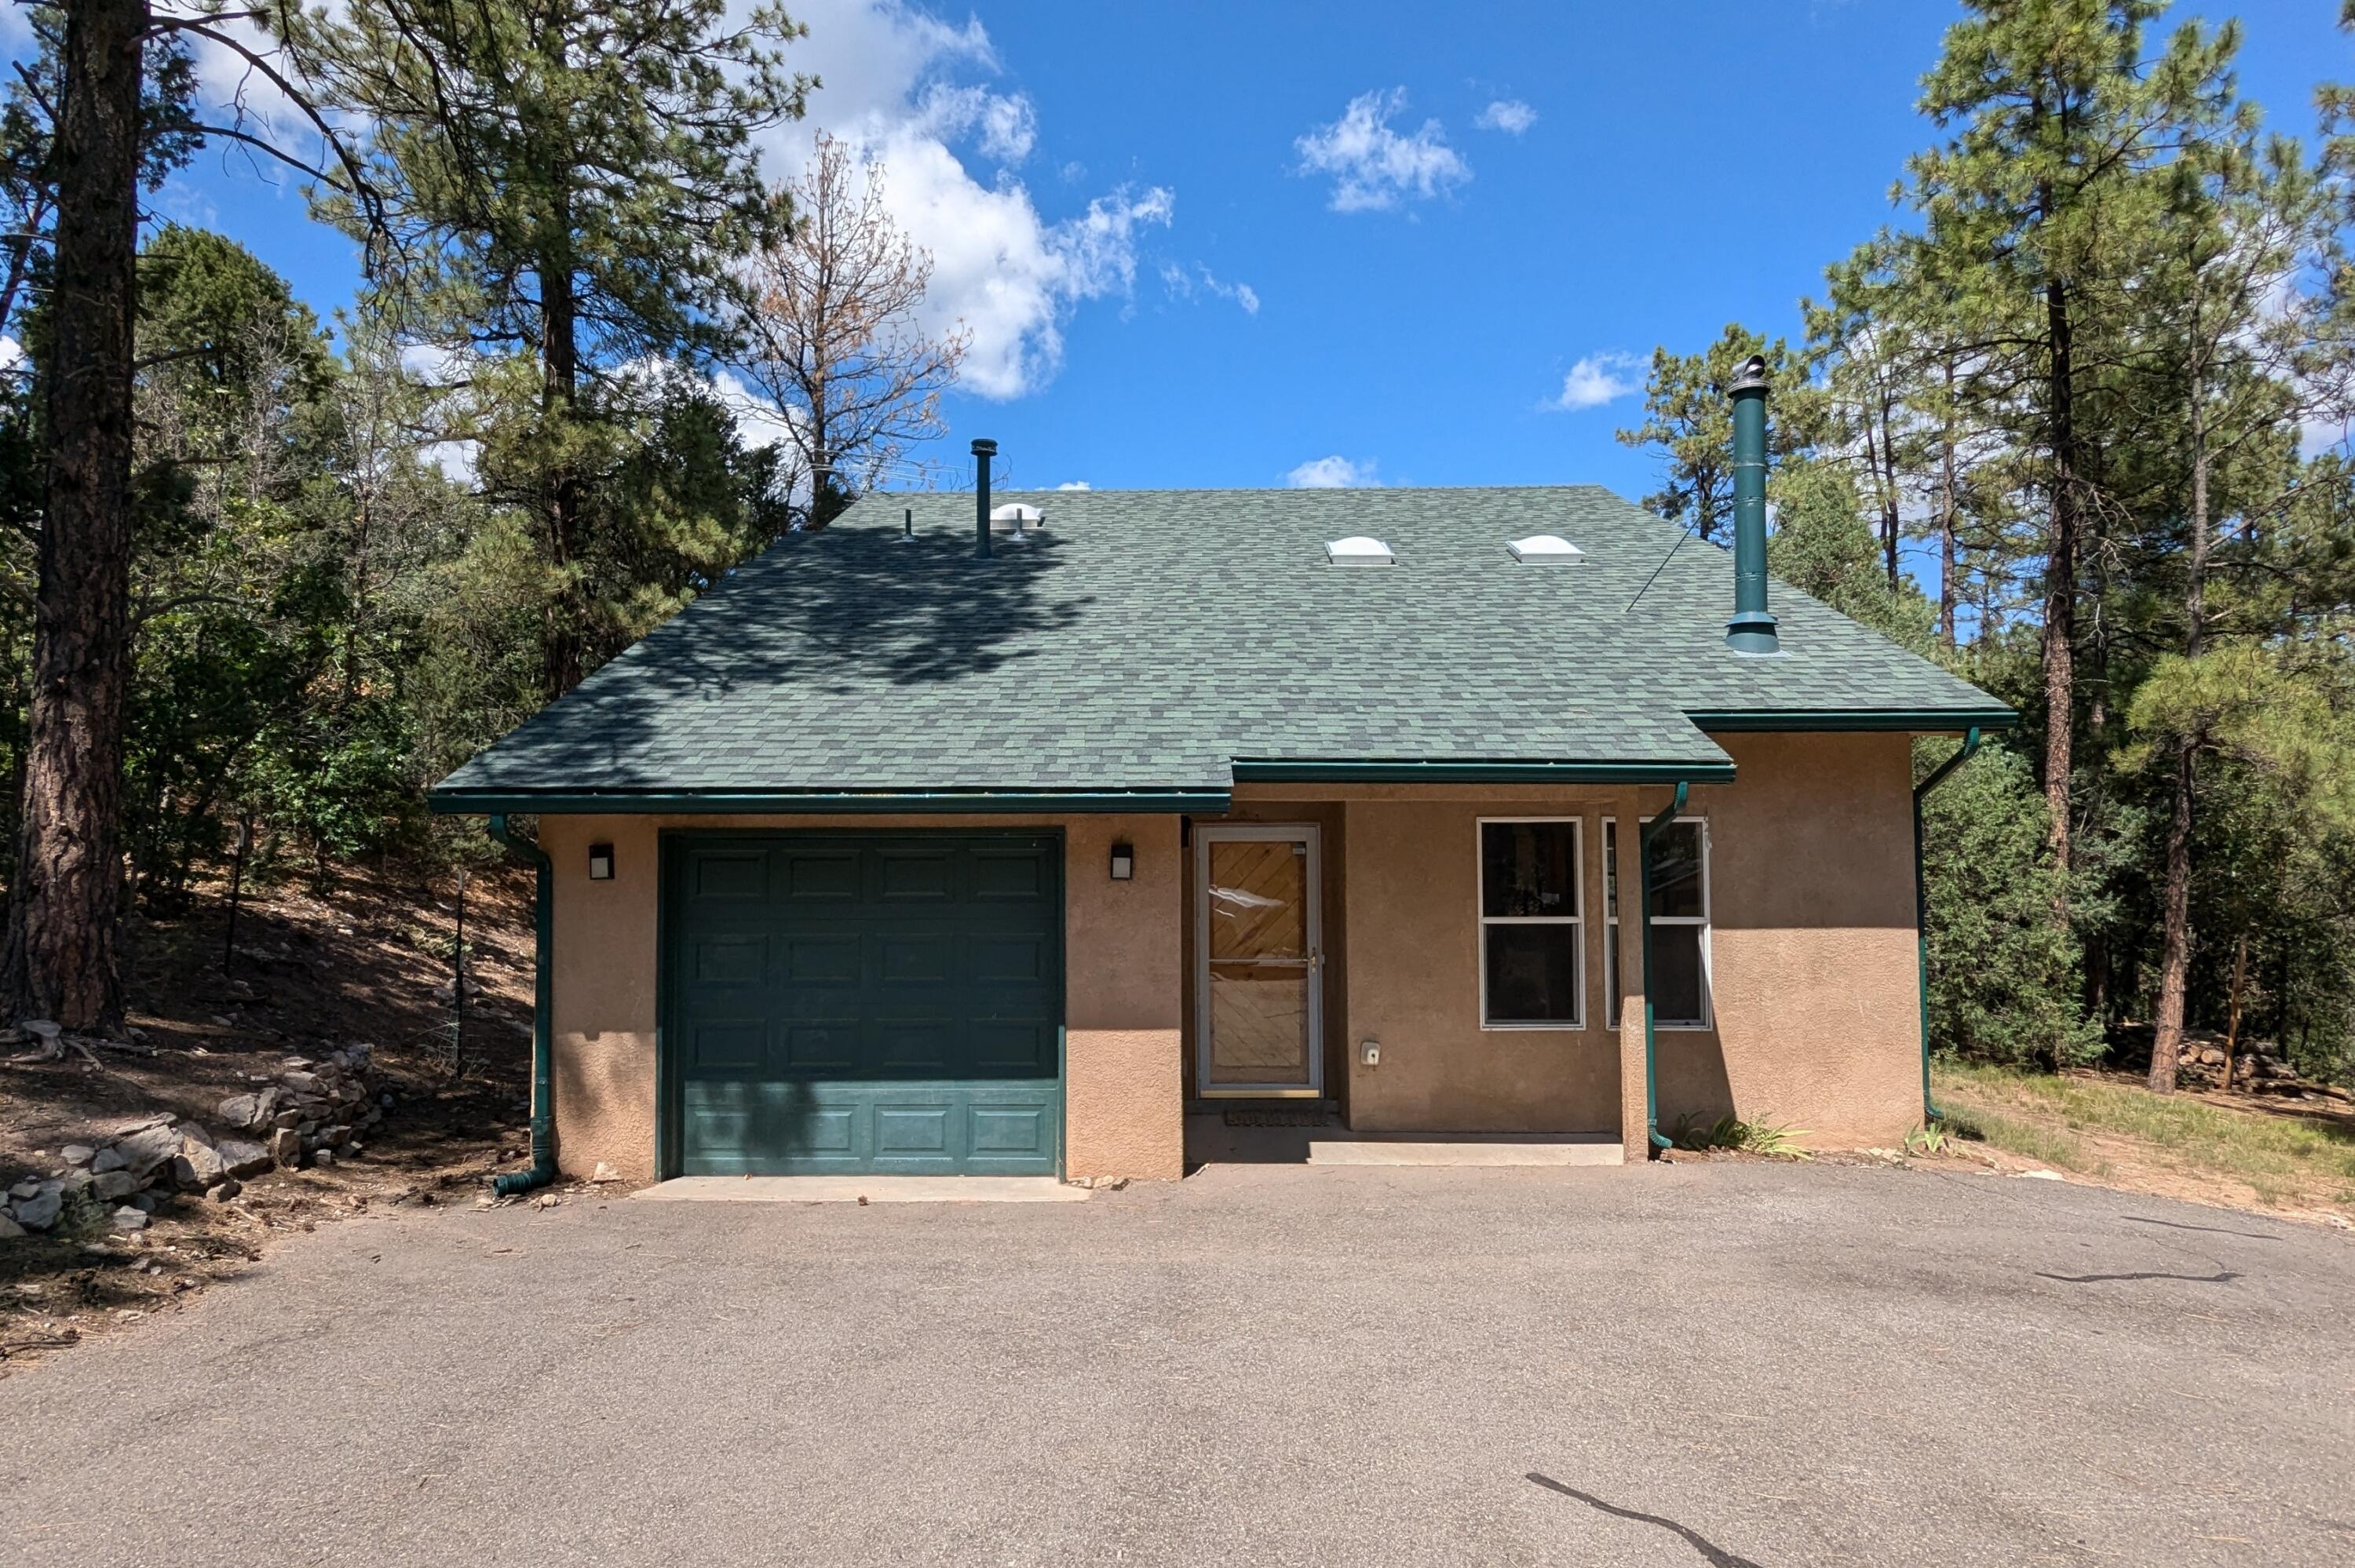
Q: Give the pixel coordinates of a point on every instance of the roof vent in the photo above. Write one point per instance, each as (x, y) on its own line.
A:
(1013, 517)
(1545, 548)
(1358, 550)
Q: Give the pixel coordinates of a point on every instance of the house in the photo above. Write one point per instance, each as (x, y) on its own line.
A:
(991, 836)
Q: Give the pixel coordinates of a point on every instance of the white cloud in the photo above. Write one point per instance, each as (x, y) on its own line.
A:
(1009, 125)
(1373, 168)
(1597, 379)
(1075, 484)
(896, 89)
(1185, 285)
(1334, 473)
(1510, 115)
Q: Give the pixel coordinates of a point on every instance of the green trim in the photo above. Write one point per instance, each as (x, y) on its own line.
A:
(669, 1134)
(543, 987)
(1644, 837)
(1930, 1111)
(1919, 720)
(1261, 770)
(720, 802)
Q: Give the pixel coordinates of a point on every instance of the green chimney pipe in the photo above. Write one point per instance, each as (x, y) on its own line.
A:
(983, 451)
(1751, 630)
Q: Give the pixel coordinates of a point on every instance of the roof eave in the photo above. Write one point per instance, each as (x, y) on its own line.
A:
(1915, 720)
(805, 802)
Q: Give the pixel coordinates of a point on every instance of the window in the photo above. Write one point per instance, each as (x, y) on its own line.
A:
(1680, 876)
(1531, 926)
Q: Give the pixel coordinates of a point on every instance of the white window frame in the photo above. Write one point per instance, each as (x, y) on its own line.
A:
(1577, 825)
(1703, 921)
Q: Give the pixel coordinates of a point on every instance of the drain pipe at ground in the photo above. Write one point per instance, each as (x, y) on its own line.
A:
(543, 1062)
(1930, 1111)
(1643, 913)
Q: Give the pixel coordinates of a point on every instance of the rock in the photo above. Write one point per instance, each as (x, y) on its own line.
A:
(42, 1030)
(240, 1110)
(286, 1148)
(223, 1192)
(206, 1165)
(113, 1185)
(25, 1189)
(323, 1157)
(287, 1117)
(40, 1211)
(77, 1153)
(147, 1202)
(106, 1159)
(338, 1135)
(604, 1172)
(240, 1158)
(302, 1083)
(145, 1149)
(141, 1124)
(9, 1229)
(130, 1219)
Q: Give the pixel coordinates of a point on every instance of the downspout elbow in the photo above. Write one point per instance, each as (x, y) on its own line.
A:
(543, 1060)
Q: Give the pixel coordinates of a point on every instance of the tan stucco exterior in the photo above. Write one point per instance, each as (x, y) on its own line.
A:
(1124, 1110)
(1811, 964)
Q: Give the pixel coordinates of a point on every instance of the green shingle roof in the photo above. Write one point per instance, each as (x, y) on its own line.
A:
(1164, 642)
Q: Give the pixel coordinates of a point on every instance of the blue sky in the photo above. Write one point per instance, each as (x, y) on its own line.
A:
(1228, 245)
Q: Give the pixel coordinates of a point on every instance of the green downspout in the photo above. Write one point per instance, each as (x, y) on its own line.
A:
(543, 1055)
(1930, 1111)
(1644, 914)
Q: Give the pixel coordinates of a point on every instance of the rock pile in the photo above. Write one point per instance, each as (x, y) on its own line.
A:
(311, 1112)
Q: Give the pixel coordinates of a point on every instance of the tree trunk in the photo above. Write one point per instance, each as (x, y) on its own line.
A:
(1947, 563)
(63, 915)
(2175, 962)
(561, 643)
(2060, 649)
(2232, 1012)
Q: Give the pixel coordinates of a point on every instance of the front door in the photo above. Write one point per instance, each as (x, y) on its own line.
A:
(1259, 961)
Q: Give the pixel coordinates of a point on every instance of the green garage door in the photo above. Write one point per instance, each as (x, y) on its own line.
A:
(864, 1001)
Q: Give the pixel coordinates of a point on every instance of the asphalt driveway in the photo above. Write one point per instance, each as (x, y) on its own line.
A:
(1717, 1364)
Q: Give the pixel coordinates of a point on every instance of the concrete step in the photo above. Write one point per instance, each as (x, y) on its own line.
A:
(1496, 1149)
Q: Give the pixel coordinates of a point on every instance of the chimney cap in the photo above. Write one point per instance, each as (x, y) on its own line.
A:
(983, 447)
(1752, 376)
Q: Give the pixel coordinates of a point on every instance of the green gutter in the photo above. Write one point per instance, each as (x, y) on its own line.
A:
(1917, 721)
(1930, 1111)
(708, 802)
(1644, 914)
(543, 1055)
(1263, 770)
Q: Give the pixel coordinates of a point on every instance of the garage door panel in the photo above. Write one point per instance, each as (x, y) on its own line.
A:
(1012, 876)
(1013, 1047)
(729, 878)
(915, 1047)
(827, 958)
(730, 959)
(917, 876)
(887, 1001)
(829, 876)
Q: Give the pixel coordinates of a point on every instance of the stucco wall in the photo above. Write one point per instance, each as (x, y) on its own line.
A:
(1811, 958)
(1123, 1111)
(1412, 888)
(1812, 948)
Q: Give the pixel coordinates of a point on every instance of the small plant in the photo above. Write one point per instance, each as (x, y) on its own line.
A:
(1930, 1137)
(1760, 1136)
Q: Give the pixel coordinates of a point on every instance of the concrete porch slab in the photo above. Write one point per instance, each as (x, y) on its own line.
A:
(853, 1189)
(1501, 1149)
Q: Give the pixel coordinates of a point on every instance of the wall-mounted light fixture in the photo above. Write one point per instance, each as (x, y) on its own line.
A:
(601, 863)
(1123, 862)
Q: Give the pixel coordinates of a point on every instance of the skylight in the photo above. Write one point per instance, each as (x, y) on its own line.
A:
(1358, 550)
(1543, 547)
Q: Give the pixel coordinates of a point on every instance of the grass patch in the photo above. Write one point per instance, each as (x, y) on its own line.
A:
(1760, 1136)
(2279, 1154)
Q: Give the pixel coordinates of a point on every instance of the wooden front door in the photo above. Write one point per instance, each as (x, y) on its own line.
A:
(1259, 961)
